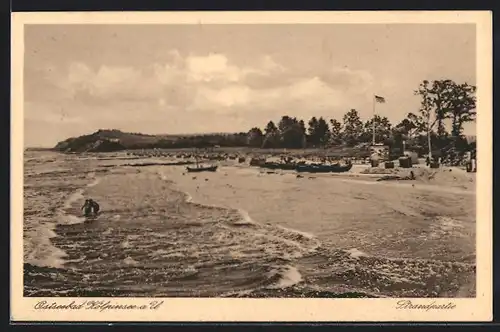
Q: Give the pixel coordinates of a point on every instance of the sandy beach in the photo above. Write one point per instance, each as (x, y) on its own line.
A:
(245, 232)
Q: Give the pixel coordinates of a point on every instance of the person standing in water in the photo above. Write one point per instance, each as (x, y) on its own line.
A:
(90, 208)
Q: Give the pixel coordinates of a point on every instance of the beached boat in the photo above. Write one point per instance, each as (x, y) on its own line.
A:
(282, 166)
(324, 168)
(202, 169)
(257, 161)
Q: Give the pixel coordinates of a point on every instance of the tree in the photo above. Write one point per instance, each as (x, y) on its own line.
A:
(418, 123)
(293, 137)
(335, 131)
(302, 127)
(271, 138)
(313, 123)
(292, 132)
(445, 99)
(406, 127)
(319, 131)
(323, 132)
(424, 118)
(382, 129)
(402, 132)
(462, 107)
(353, 128)
(439, 94)
(286, 122)
(255, 137)
(270, 128)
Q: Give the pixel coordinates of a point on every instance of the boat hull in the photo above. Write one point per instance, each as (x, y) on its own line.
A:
(285, 167)
(201, 169)
(323, 168)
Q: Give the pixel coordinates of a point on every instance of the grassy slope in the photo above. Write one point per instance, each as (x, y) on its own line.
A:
(138, 141)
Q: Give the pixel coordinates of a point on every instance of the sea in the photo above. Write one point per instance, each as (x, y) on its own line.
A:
(238, 232)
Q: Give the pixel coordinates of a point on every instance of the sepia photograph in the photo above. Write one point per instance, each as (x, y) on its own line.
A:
(321, 160)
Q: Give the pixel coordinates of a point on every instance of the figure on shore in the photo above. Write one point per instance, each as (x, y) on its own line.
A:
(90, 208)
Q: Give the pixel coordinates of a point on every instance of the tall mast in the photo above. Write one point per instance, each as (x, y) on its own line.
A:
(373, 121)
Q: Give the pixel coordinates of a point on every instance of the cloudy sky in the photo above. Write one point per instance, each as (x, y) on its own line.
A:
(223, 78)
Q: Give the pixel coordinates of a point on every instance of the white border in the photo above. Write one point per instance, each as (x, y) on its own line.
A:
(217, 309)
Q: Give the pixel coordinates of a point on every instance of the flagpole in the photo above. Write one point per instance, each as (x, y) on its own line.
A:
(373, 121)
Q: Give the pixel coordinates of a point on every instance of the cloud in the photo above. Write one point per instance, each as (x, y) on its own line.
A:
(209, 87)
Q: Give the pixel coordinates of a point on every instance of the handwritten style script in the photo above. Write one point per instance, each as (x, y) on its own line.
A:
(96, 305)
(407, 304)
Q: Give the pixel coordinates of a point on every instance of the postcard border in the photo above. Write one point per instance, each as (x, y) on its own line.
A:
(293, 310)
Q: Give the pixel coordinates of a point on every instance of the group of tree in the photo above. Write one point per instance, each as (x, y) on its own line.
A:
(320, 133)
(441, 100)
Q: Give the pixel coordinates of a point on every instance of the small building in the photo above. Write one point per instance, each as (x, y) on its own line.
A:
(412, 155)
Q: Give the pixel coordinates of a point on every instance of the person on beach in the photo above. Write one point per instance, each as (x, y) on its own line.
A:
(90, 208)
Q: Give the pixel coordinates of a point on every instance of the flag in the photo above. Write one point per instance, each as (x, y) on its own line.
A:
(379, 99)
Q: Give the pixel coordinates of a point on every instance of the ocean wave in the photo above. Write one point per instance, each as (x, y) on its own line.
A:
(42, 252)
(355, 253)
(73, 198)
(245, 219)
(130, 261)
(288, 277)
(68, 218)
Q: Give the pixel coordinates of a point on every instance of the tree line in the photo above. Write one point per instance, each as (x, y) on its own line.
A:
(423, 130)
(293, 133)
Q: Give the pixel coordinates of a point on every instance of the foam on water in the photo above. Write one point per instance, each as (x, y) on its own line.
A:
(445, 226)
(43, 253)
(125, 244)
(130, 261)
(107, 231)
(72, 219)
(95, 182)
(354, 252)
(301, 233)
(67, 218)
(162, 253)
(289, 276)
(245, 218)
(73, 198)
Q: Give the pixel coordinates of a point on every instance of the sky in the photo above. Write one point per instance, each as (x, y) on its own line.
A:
(177, 79)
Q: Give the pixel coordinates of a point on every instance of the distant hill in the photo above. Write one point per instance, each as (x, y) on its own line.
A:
(108, 140)
(105, 140)
(37, 149)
